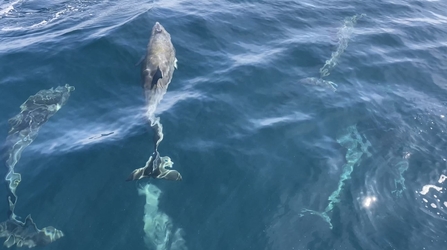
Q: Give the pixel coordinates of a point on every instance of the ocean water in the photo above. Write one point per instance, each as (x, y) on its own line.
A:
(295, 124)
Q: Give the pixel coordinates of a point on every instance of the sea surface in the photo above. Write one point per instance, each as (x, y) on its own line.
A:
(308, 124)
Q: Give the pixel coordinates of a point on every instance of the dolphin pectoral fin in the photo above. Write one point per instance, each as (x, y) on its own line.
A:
(158, 75)
(175, 63)
(140, 173)
(170, 175)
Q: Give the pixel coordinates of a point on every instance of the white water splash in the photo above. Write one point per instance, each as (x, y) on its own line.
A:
(426, 189)
(7, 8)
(434, 197)
(38, 23)
(442, 178)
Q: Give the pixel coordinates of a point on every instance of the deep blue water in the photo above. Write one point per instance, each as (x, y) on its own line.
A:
(268, 160)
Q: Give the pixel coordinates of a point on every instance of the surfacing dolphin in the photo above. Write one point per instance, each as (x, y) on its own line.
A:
(158, 68)
(157, 71)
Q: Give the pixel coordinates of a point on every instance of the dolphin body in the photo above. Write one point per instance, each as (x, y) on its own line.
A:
(157, 70)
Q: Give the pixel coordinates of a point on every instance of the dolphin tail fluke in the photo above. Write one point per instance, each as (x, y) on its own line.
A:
(170, 175)
(144, 172)
(137, 174)
(26, 234)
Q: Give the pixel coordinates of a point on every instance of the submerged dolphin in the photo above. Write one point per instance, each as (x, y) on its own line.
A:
(158, 68)
(25, 126)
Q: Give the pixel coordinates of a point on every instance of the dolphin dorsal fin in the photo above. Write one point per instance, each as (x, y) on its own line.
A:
(158, 75)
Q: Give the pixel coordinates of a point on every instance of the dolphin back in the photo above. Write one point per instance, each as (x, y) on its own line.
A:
(159, 64)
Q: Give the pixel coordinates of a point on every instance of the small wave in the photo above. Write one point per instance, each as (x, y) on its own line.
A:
(7, 8)
(257, 55)
(36, 23)
(173, 97)
(55, 17)
(271, 121)
(69, 17)
(62, 141)
(126, 121)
